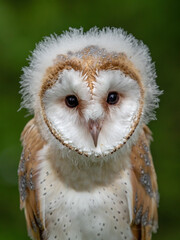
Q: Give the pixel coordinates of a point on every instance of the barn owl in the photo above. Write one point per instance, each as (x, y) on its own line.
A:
(86, 170)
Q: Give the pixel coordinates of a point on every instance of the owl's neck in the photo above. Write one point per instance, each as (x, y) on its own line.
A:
(86, 173)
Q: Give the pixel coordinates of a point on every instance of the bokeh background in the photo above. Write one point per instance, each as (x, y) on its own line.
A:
(156, 22)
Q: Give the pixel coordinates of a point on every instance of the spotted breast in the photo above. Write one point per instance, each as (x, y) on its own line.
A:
(122, 205)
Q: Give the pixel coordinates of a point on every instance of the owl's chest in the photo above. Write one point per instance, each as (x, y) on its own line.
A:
(103, 213)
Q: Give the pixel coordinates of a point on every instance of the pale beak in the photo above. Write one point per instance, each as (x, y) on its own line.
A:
(94, 128)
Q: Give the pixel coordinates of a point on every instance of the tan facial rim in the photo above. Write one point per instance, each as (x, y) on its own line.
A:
(89, 66)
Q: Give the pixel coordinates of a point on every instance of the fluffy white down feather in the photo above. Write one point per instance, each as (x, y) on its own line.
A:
(119, 122)
(70, 198)
(111, 39)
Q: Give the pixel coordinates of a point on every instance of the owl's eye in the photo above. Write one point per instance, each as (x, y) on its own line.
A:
(113, 98)
(71, 101)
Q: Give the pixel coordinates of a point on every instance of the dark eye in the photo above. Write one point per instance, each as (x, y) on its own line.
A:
(112, 98)
(71, 101)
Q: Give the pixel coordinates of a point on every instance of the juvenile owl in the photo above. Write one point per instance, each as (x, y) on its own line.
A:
(86, 170)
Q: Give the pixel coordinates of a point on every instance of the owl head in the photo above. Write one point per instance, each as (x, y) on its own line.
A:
(90, 92)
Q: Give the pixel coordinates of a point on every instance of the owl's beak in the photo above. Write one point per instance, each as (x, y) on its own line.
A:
(95, 128)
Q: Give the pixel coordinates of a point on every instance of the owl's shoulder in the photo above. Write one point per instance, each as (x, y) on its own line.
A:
(145, 190)
(28, 172)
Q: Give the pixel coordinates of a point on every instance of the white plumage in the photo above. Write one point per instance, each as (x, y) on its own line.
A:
(91, 95)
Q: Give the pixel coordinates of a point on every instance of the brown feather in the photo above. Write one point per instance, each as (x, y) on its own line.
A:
(143, 179)
(145, 190)
(28, 173)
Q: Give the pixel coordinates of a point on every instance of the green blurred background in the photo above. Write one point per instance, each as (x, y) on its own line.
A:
(156, 22)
